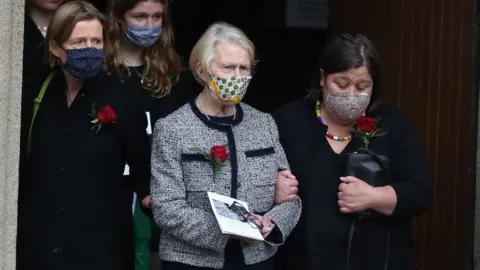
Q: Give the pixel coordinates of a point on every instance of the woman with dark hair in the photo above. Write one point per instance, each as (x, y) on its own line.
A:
(319, 134)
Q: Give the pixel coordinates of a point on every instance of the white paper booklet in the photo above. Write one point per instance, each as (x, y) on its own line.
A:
(229, 220)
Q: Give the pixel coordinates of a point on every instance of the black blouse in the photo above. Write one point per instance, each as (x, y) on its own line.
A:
(321, 239)
(182, 92)
(75, 206)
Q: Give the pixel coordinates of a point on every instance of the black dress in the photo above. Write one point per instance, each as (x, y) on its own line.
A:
(321, 239)
(186, 89)
(75, 209)
(183, 91)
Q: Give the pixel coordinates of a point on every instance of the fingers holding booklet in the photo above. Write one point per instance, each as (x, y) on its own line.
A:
(235, 219)
(266, 228)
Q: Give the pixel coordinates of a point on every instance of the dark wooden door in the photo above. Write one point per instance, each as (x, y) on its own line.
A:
(427, 49)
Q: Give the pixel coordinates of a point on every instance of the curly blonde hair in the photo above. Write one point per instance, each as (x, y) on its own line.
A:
(161, 61)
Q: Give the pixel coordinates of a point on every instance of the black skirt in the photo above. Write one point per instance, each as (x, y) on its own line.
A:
(234, 260)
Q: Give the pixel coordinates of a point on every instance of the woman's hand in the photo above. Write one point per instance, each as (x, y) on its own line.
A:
(286, 188)
(267, 228)
(267, 225)
(354, 195)
(147, 202)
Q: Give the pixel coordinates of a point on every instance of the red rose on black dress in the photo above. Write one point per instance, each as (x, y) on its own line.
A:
(104, 116)
(366, 124)
(176, 64)
(365, 128)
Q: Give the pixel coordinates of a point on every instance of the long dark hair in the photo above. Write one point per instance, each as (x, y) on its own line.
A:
(344, 52)
(159, 59)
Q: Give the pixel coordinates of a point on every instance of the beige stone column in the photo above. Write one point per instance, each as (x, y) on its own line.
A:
(476, 251)
(11, 52)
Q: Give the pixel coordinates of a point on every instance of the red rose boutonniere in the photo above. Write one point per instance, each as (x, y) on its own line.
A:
(175, 68)
(367, 128)
(104, 116)
(176, 64)
(217, 156)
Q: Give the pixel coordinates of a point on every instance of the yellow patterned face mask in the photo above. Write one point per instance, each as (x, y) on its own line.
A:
(229, 91)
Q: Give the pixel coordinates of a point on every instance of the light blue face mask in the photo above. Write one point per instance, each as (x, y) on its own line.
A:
(142, 36)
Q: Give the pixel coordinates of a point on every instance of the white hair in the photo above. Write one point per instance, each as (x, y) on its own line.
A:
(204, 51)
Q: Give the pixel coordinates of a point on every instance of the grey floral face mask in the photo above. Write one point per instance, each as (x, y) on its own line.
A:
(346, 106)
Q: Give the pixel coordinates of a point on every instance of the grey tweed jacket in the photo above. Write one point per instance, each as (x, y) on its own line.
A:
(181, 179)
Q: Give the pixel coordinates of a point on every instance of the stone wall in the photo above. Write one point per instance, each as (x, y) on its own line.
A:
(11, 50)
(476, 257)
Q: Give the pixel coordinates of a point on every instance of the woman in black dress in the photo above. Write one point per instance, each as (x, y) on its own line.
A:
(144, 57)
(75, 210)
(144, 62)
(316, 132)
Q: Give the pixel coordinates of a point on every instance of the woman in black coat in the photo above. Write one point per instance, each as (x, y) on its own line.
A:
(318, 133)
(143, 61)
(37, 16)
(75, 206)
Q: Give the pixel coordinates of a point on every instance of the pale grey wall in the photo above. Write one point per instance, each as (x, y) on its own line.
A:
(11, 53)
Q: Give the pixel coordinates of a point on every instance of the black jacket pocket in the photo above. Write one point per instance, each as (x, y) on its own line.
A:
(193, 157)
(260, 152)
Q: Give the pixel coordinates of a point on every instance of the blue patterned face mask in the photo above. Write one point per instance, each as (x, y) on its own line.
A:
(142, 36)
(84, 63)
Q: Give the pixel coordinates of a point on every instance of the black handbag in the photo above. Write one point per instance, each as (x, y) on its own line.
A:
(371, 168)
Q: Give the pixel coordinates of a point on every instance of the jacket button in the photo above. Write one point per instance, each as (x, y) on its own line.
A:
(57, 250)
(61, 209)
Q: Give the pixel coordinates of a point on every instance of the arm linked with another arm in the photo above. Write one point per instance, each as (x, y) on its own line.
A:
(284, 215)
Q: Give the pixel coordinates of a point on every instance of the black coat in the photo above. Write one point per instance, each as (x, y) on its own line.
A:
(34, 65)
(75, 207)
(320, 240)
(34, 71)
(186, 89)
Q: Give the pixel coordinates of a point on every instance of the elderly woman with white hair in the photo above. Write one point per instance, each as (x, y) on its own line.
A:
(218, 144)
